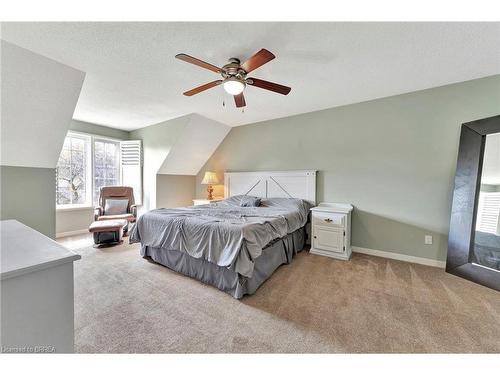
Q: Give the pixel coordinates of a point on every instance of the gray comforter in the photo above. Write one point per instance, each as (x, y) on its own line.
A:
(222, 233)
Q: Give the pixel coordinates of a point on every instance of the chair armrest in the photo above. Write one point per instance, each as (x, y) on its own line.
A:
(98, 211)
(133, 210)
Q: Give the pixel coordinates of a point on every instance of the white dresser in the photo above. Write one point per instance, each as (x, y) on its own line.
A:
(36, 292)
(331, 230)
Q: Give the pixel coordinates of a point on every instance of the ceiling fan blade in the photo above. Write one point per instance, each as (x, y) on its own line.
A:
(204, 87)
(195, 61)
(259, 59)
(266, 85)
(239, 100)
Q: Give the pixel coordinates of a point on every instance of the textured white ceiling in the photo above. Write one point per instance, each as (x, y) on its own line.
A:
(133, 79)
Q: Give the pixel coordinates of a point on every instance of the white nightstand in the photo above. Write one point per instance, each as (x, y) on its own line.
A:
(331, 230)
(198, 202)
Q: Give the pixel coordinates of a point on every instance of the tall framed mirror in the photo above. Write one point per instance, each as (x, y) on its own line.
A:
(474, 238)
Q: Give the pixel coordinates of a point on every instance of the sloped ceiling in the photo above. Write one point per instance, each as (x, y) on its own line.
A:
(194, 146)
(133, 79)
(179, 146)
(39, 96)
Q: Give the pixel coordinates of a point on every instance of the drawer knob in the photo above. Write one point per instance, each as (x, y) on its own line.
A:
(328, 220)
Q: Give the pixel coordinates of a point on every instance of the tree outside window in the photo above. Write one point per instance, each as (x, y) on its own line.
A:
(71, 172)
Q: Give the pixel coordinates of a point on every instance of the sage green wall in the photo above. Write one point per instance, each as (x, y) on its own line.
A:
(392, 158)
(69, 222)
(174, 190)
(28, 195)
(490, 188)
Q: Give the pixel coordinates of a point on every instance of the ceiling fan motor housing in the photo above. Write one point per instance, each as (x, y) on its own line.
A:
(233, 69)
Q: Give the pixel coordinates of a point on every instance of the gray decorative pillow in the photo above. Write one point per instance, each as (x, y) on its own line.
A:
(248, 201)
(116, 206)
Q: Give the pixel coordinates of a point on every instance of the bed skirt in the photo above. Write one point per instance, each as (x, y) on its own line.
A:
(278, 252)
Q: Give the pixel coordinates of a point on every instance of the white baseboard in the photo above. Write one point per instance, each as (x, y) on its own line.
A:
(71, 233)
(402, 257)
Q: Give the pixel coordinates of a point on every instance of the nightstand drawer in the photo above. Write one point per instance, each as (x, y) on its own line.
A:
(327, 219)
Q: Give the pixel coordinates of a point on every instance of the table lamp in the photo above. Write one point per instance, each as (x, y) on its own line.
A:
(210, 179)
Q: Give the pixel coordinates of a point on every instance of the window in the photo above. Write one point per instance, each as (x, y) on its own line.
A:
(86, 163)
(488, 212)
(72, 172)
(106, 165)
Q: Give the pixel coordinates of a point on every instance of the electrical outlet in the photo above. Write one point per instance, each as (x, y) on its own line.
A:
(428, 240)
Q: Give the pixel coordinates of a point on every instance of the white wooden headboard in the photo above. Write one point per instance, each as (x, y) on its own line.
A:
(274, 184)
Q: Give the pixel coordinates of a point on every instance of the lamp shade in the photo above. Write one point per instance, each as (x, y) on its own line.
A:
(210, 178)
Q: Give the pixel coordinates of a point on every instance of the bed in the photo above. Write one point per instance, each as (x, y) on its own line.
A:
(235, 244)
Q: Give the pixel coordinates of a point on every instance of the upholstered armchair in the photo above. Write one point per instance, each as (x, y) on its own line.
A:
(112, 204)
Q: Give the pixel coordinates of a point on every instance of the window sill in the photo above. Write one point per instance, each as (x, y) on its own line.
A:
(73, 208)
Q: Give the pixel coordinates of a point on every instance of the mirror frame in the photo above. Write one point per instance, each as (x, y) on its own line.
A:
(465, 201)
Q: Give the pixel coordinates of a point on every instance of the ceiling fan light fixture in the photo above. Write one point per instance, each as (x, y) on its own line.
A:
(234, 76)
(233, 86)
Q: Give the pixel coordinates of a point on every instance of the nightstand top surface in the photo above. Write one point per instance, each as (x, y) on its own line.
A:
(344, 208)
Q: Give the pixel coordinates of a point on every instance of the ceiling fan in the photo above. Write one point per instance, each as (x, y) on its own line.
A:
(234, 76)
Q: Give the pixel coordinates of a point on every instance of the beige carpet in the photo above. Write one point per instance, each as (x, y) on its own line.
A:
(126, 304)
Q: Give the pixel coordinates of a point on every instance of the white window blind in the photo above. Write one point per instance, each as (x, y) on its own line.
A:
(488, 212)
(131, 164)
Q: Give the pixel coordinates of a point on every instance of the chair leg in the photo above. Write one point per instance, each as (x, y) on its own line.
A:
(125, 230)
